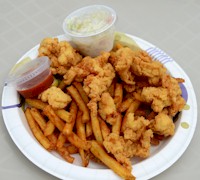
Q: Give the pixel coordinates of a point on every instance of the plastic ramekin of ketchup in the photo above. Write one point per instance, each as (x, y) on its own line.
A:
(32, 78)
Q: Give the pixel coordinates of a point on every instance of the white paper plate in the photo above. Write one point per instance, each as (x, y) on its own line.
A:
(162, 156)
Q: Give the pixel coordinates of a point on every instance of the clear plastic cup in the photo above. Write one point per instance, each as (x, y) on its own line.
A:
(31, 78)
(91, 29)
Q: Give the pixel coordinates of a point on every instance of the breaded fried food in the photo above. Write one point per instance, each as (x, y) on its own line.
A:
(174, 93)
(115, 144)
(55, 97)
(168, 95)
(95, 73)
(128, 64)
(122, 61)
(61, 54)
(163, 125)
(157, 97)
(107, 108)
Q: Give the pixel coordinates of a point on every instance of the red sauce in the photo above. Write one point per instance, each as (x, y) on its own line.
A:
(33, 89)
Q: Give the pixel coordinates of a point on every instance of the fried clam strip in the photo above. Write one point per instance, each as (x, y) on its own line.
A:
(79, 101)
(132, 108)
(101, 154)
(42, 139)
(107, 108)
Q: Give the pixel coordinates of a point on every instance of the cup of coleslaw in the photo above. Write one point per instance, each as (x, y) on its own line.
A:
(91, 29)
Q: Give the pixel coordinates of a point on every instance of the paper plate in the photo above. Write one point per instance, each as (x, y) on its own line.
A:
(162, 156)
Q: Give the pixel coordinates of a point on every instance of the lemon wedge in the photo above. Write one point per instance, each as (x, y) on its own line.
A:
(124, 40)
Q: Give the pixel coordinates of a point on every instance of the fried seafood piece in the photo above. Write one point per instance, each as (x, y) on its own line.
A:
(129, 63)
(61, 54)
(96, 73)
(168, 95)
(141, 148)
(157, 97)
(144, 65)
(163, 125)
(50, 47)
(87, 66)
(55, 97)
(107, 108)
(174, 93)
(115, 144)
(68, 56)
(123, 149)
(122, 61)
(135, 127)
(94, 86)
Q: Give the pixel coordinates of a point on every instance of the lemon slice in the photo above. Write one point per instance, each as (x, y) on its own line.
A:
(124, 40)
(22, 62)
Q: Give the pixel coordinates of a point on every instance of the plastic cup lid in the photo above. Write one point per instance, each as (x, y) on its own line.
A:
(28, 71)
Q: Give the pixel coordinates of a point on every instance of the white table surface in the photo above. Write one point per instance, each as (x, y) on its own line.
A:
(172, 25)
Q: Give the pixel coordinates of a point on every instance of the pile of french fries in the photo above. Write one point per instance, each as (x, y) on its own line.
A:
(76, 129)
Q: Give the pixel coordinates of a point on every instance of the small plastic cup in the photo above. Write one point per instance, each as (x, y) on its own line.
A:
(31, 78)
(91, 29)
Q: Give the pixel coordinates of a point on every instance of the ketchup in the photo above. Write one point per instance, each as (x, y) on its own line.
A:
(32, 90)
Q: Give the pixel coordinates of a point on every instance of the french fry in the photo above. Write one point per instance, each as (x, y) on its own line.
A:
(61, 140)
(72, 149)
(101, 154)
(68, 128)
(80, 103)
(79, 143)
(138, 96)
(155, 141)
(118, 95)
(64, 115)
(50, 113)
(133, 107)
(88, 129)
(38, 118)
(49, 129)
(65, 154)
(42, 139)
(36, 103)
(125, 105)
(62, 85)
(104, 128)
(84, 157)
(117, 126)
(80, 128)
(96, 125)
(53, 139)
(111, 89)
(79, 87)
